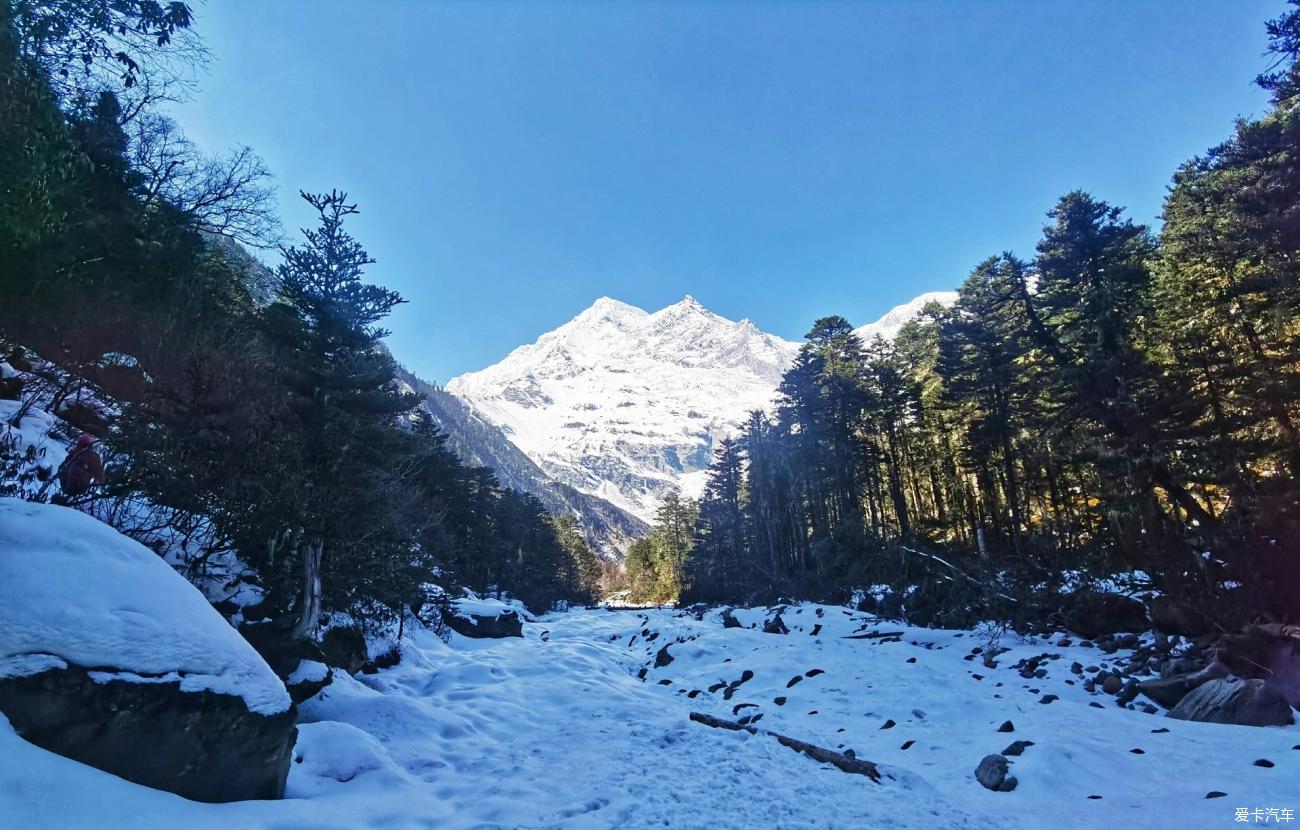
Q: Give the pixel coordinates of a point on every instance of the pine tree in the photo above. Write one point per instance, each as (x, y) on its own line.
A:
(346, 394)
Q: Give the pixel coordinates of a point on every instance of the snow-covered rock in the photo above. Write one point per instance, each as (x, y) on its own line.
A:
(483, 619)
(110, 657)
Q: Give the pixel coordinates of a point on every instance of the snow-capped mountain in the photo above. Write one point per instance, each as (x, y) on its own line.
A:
(628, 405)
(625, 404)
(898, 316)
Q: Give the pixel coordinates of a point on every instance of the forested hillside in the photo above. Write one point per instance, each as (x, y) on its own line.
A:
(260, 404)
(1125, 400)
(607, 529)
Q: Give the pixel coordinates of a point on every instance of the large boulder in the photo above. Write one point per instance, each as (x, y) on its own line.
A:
(483, 619)
(993, 774)
(1268, 652)
(111, 658)
(1232, 700)
(1169, 691)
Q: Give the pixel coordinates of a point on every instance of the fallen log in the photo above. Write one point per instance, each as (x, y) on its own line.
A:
(871, 635)
(817, 753)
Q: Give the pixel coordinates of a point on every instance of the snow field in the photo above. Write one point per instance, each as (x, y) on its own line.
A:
(555, 730)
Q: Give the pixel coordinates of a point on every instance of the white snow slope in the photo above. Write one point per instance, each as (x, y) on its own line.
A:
(628, 405)
(898, 316)
(555, 731)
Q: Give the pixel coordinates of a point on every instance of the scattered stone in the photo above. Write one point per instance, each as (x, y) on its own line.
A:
(889, 724)
(1017, 748)
(1264, 762)
(779, 701)
(1094, 704)
(1007, 726)
(1138, 751)
(1215, 794)
(1112, 685)
(992, 773)
(907, 745)
(735, 710)
(794, 680)
(1094, 798)
(911, 659)
(1128, 693)
(1159, 731)
(663, 658)
(776, 625)
(693, 693)
(665, 682)
(1048, 698)
(712, 689)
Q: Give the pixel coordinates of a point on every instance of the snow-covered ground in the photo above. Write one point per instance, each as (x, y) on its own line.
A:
(555, 730)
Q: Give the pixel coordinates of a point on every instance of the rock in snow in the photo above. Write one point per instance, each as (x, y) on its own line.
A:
(110, 657)
(483, 619)
(992, 774)
(1232, 700)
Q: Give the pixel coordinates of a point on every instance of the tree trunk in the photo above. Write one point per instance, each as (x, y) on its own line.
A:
(309, 607)
(818, 753)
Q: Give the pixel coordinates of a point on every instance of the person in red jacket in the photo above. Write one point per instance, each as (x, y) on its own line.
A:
(82, 469)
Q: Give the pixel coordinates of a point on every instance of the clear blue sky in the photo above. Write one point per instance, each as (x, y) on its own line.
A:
(778, 161)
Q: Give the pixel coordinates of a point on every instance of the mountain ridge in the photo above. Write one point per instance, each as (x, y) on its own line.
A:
(626, 405)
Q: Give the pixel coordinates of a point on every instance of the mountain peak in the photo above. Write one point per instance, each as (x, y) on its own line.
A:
(628, 406)
(893, 320)
(609, 309)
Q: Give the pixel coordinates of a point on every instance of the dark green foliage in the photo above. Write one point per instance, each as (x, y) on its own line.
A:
(279, 419)
(1122, 402)
(655, 566)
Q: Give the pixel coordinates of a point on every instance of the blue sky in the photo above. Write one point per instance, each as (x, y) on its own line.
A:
(778, 161)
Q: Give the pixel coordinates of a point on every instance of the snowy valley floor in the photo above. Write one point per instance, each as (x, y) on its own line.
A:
(556, 731)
